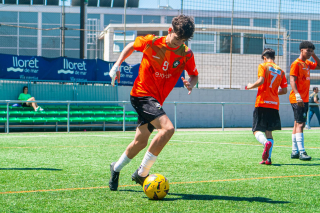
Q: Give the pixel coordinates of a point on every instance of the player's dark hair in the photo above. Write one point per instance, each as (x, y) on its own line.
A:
(314, 88)
(306, 45)
(183, 26)
(24, 88)
(268, 53)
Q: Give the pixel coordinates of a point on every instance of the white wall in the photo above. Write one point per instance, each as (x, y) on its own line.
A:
(205, 116)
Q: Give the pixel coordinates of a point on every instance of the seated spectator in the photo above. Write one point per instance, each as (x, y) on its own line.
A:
(27, 97)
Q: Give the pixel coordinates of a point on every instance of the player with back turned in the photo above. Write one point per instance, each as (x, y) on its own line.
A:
(266, 116)
(164, 59)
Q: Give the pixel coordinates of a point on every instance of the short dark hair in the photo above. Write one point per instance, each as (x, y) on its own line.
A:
(183, 26)
(24, 88)
(306, 45)
(268, 53)
(315, 88)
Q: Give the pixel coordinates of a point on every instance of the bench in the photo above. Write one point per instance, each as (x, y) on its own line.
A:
(58, 114)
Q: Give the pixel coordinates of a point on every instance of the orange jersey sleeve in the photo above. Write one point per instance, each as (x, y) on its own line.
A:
(311, 64)
(294, 69)
(284, 82)
(191, 66)
(261, 71)
(141, 42)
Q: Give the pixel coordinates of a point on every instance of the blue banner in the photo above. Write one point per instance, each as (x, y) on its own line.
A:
(128, 73)
(69, 69)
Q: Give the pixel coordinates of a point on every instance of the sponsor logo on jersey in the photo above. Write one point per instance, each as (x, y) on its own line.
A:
(271, 102)
(156, 57)
(162, 75)
(176, 63)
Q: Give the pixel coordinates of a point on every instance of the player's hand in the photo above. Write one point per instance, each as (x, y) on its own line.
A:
(115, 74)
(187, 85)
(300, 103)
(248, 86)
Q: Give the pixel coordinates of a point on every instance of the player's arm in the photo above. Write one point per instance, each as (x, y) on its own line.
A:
(190, 83)
(282, 91)
(293, 84)
(315, 57)
(115, 70)
(316, 99)
(258, 83)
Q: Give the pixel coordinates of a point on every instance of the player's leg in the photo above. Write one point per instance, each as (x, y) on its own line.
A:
(259, 127)
(270, 138)
(299, 125)
(165, 131)
(139, 142)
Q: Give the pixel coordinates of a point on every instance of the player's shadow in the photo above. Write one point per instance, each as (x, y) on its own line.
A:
(216, 197)
(296, 164)
(46, 169)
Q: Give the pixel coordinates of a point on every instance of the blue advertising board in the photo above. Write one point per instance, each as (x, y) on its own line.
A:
(70, 69)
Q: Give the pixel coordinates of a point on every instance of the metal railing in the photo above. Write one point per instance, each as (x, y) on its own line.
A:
(124, 103)
(68, 103)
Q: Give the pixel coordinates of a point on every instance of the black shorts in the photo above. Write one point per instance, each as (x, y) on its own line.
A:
(148, 109)
(266, 119)
(25, 105)
(300, 113)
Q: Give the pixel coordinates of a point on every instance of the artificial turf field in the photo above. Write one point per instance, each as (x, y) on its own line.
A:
(208, 172)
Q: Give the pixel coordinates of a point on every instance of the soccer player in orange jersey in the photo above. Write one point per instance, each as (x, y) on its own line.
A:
(299, 96)
(266, 113)
(164, 59)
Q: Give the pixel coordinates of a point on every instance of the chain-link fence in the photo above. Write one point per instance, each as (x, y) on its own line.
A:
(229, 39)
(232, 34)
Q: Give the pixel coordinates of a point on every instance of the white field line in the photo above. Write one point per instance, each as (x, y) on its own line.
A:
(131, 137)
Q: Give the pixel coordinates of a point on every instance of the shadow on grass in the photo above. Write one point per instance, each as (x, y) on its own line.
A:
(215, 197)
(296, 164)
(47, 169)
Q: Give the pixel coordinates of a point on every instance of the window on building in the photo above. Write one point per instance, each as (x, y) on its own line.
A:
(241, 21)
(151, 19)
(38, 2)
(92, 3)
(105, 3)
(118, 39)
(10, 2)
(24, 2)
(262, 22)
(53, 2)
(299, 35)
(224, 42)
(301, 25)
(203, 42)
(169, 19)
(221, 21)
(271, 41)
(112, 19)
(133, 19)
(253, 43)
(203, 20)
(144, 33)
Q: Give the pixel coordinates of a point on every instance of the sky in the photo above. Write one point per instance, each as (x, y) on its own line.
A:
(287, 6)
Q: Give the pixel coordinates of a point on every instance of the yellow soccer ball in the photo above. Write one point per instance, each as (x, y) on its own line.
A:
(156, 186)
